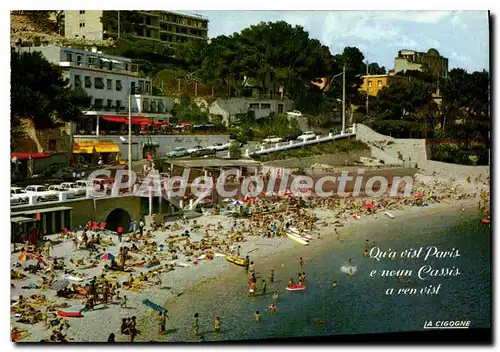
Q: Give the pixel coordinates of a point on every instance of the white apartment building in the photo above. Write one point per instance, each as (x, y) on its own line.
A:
(109, 80)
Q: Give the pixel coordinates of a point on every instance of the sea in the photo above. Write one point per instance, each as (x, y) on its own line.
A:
(361, 303)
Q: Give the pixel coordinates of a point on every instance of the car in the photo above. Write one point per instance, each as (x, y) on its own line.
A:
(306, 136)
(177, 153)
(79, 189)
(217, 147)
(290, 137)
(203, 152)
(42, 193)
(272, 139)
(294, 113)
(195, 148)
(70, 194)
(18, 196)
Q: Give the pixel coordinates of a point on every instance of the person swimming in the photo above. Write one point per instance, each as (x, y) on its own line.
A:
(335, 284)
(257, 316)
(272, 308)
(350, 272)
(275, 296)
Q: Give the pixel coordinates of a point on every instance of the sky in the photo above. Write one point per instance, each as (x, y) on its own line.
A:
(461, 36)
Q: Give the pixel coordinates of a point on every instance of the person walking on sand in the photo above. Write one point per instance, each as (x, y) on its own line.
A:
(124, 302)
(263, 286)
(301, 263)
(251, 268)
(141, 227)
(271, 275)
(163, 322)
(247, 263)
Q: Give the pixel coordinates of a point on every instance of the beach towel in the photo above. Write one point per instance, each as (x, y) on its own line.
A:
(154, 306)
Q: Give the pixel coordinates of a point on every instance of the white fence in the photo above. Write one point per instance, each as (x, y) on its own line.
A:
(295, 144)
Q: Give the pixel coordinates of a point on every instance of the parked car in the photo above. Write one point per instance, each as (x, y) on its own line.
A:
(290, 137)
(18, 196)
(217, 146)
(42, 193)
(272, 139)
(294, 113)
(194, 149)
(177, 153)
(79, 189)
(70, 194)
(307, 136)
(203, 152)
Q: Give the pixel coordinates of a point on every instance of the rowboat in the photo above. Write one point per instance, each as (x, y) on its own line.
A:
(300, 233)
(389, 214)
(235, 260)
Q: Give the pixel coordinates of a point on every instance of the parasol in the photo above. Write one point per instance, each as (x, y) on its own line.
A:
(368, 205)
(106, 256)
(418, 195)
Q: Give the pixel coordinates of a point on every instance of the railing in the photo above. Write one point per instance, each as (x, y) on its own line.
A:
(294, 144)
(105, 66)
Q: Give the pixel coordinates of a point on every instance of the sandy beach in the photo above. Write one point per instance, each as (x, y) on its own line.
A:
(96, 326)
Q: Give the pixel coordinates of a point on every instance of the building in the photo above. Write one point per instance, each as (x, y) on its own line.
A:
(110, 81)
(375, 83)
(165, 26)
(227, 110)
(436, 64)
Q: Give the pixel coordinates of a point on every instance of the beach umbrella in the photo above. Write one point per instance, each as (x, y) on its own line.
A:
(207, 201)
(24, 256)
(418, 195)
(60, 284)
(368, 205)
(288, 192)
(106, 256)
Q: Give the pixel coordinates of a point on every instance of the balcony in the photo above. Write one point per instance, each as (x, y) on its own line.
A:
(104, 65)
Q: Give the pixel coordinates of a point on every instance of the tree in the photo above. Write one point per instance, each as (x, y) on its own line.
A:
(375, 69)
(40, 95)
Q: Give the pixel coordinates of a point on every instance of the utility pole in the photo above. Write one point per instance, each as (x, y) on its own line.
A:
(130, 141)
(367, 94)
(118, 24)
(343, 101)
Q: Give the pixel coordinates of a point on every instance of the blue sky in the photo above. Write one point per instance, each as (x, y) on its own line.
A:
(461, 36)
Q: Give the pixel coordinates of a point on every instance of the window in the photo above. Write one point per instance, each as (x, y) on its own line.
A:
(379, 83)
(148, 33)
(109, 84)
(88, 82)
(78, 81)
(153, 106)
(132, 87)
(52, 144)
(69, 57)
(118, 85)
(98, 103)
(148, 87)
(148, 20)
(90, 61)
(145, 105)
(265, 106)
(82, 24)
(141, 87)
(118, 105)
(126, 67)
(98, 83)
(369, 84)
(82, 12)
(161, 108)
(109, 103)
(254, 106)
(280, 108)
(110, 66)
(79, 60)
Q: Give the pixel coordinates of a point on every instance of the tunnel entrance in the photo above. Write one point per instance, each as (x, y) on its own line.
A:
(118, 217)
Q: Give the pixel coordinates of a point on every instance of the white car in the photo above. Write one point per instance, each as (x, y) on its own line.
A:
(42, 193)
(217, 146)
(294, 113)
(195, 149)
(18, 196)
(272, 139)
(70, 194)
(307, 136)
(78, 189)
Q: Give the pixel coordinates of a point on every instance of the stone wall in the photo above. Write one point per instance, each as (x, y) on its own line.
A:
(327, 159)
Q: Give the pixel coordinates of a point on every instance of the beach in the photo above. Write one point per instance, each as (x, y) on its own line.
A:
(183, 290)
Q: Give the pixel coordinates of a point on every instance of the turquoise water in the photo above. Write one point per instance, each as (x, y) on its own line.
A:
(359, 303)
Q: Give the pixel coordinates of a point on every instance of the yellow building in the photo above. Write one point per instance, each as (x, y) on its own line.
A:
(376, 83)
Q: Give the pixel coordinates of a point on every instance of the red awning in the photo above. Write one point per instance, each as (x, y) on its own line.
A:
(162, 123)
(136, 120)
(24, 156)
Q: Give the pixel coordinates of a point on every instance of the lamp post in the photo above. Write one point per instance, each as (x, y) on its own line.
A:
(343, 101)
(367, 95)
(129, 140)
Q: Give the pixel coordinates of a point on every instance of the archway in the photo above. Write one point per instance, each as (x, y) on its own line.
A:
(118, 217)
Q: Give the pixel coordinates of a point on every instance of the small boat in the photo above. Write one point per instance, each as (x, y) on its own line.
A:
(302, 233)
(235, 260)
(486, 220)
(297, 238)
(296, 288)
(389, 214)
(69, 314)
(183, 265)
(356, 217)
